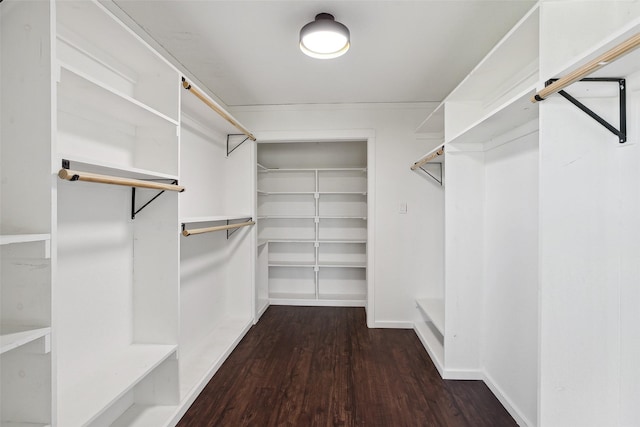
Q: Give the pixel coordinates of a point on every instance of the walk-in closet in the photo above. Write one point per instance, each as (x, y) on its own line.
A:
(464, 174)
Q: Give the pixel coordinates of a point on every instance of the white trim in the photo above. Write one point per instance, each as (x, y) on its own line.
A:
(387, 324)
(463, 374)
(506, 402)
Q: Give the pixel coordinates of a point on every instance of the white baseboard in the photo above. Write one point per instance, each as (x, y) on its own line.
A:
(462, 374)
(506, 402)
(392, 325)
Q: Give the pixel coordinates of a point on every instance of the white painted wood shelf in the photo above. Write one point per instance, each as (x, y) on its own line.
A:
(214, 218)
(85, 402)
(12, 424)
(13, 337)
(198, 365)
(139, 415)
(433, 308)
(9, 239)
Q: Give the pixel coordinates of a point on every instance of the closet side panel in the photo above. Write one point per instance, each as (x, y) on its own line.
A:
(510, 300)
(464, 205)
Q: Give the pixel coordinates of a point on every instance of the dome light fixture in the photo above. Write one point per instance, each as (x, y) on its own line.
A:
(324, 38)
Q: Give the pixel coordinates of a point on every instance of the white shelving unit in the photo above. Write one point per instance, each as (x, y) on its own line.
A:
(312, 223)
(489, 108)
(117, 114)
(216, 287)
(26, 213)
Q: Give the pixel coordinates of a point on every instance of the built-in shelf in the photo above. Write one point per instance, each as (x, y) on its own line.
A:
(107, 168)
(342, 264)
(292, 264)
(12, 424)
(145, 415)
(264, 169)
(433, 308)
(16, 336)
(78, 85)
(83, 403)
(8, 239)
(198, 365)
(510, 115)
(214, 218)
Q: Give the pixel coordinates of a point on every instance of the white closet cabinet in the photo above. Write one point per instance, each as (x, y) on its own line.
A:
(216, 287)
(482, 324)
(100, 292)
(541, 234)
(312, 213)
(26, 212)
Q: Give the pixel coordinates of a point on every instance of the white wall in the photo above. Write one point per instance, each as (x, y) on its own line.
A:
(405, 253)
(509, 335)
(590, 244)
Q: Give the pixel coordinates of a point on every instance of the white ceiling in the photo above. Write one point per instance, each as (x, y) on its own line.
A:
(246, 52)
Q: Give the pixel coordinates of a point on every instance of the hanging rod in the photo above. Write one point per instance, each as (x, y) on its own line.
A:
(217, 109)
(186, 232)
(427, 158)
(72, 175)
(588, 68)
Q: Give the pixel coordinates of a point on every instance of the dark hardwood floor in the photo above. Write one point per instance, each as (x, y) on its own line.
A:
(322, 366)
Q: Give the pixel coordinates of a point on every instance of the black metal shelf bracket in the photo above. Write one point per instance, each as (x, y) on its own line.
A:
(230, 232)
(237, 145)
(622, 101)
(438, 180)
(135, 211)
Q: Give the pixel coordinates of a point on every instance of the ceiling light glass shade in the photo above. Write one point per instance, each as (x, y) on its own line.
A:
(324, 38)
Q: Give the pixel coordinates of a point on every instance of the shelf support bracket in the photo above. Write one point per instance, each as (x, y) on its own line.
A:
(237, 145)
(231, 231)
(622, 102)
(135, 211)
(438, 180)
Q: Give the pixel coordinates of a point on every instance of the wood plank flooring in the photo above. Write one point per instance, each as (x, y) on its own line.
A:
(321, 366)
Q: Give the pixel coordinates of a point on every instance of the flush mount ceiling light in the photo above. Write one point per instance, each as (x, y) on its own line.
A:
(324, 38)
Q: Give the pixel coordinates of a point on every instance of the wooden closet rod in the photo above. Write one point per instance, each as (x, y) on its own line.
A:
(427, 158)
(217, 109)
(72, 175)
(217, 228)
(588, 68)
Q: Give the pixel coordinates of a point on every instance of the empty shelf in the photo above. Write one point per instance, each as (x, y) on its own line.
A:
(16, 336)
(433, 308)
(84, 402)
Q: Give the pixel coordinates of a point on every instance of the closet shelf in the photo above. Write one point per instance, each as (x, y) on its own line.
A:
(266, 170)
(12, 337)
(198, 365)
(80, 87)
(342, 264)
(87, 400)
(304, 264)
(433, 308)
(8, 239)
(214, 218)
(107, 168)
(507, 116)
(12, 424)
(145, 415)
